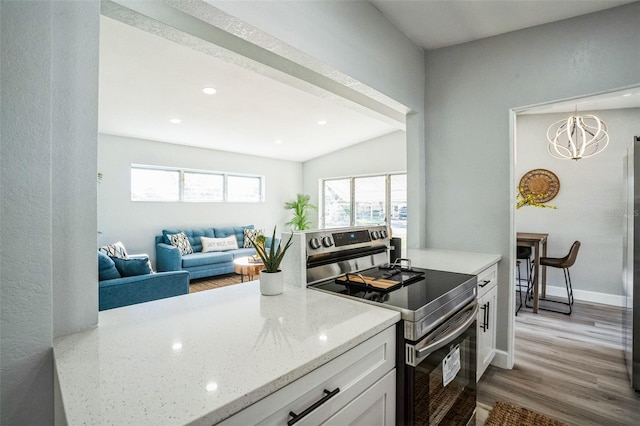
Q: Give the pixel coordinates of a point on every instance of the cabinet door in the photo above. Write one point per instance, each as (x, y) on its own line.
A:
(326, 390)
(486, 328)
(375, 406)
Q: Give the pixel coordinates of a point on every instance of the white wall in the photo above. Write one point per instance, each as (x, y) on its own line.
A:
(380, 155)
(469, 91)
(137, 223)
(49, 110)
(590, 203)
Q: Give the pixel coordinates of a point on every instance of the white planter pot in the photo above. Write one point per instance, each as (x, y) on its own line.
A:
(271, 283)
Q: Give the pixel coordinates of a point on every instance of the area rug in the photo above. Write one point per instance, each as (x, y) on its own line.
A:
(202, 284)
(505, 414)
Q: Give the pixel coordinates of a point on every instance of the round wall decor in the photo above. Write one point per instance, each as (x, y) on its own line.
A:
(542, 184)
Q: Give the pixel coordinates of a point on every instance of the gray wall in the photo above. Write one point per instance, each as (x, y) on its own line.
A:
(356, 39)
(54, 290)
(136, 223)
(469, 91)
(385, 154)
(590, 203)
(48, 104)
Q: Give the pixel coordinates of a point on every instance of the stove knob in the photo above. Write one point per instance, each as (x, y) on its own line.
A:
(314, 243)
(375, 235)
(383, 234)
(326, 241)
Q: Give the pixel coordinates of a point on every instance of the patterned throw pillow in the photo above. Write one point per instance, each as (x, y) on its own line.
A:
(181, 241)
(251, 233)
(115, 250)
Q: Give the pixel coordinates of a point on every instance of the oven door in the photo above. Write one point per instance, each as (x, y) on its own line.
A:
(440, 374)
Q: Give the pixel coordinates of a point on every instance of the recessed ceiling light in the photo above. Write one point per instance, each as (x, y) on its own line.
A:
(209, 91)
(212, 386)
(175, 121)
(278, 141)
(626, 94)
(322, 122)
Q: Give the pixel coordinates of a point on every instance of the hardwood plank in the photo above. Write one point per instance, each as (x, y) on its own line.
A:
(567, 367)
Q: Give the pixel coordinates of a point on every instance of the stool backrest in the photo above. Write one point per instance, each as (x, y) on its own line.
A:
(571, 257)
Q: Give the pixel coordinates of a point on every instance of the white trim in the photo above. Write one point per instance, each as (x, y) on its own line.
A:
(506, 358)
(587, 296)
(501, 359)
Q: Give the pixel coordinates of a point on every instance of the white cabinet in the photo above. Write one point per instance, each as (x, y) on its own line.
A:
(486, 321)
(357, 387)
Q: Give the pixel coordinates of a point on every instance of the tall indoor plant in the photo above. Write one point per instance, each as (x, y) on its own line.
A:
(271, 277)
(300, 207)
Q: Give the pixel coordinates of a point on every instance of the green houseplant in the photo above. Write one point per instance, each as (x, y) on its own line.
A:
(271, 279)
(300, 207)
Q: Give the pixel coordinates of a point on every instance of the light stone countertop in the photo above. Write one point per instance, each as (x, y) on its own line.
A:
(452, 261)
(200, 358)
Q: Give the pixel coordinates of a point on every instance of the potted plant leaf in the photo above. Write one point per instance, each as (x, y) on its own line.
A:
(300, 206)
(271, 278)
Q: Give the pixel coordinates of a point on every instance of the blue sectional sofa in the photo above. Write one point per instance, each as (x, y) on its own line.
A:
(129, 290)
(199, 264)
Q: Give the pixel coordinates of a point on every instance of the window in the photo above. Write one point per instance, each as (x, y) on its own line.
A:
(337, 203)
(149, 183)
(366, 200)
(155, 185)
(370, 200)
(244, 189)
(203, 187)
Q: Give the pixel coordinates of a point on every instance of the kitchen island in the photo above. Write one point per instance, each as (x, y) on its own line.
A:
(202, 357)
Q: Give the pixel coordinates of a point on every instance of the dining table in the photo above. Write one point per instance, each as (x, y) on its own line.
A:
(538, 242)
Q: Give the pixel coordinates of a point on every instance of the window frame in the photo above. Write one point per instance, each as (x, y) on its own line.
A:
(352, 215)
(182, 171)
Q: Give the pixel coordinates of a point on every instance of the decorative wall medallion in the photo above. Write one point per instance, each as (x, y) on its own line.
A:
(542, 184)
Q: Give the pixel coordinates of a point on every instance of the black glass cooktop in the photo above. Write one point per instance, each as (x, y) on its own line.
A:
(417, 291)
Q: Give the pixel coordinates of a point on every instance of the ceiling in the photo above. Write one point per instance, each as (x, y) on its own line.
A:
(146, 81)
(432, 24)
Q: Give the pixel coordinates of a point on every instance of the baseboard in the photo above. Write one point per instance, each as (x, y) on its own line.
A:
(501, 359)
(587, 296)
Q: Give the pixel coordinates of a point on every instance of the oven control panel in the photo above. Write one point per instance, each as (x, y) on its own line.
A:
(338, 239)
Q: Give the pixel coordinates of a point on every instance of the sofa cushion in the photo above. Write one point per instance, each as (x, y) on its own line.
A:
(133, 267)
(202, 259)
(106, 268)
(115, 250)
(238, 231)
(219, 244)
(243, 252)
(193, 235)
(181, 241)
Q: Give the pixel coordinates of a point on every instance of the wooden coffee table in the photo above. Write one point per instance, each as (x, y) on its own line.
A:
(243, 266)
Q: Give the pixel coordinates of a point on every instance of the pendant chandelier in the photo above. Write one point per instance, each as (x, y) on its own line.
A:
(579, 136)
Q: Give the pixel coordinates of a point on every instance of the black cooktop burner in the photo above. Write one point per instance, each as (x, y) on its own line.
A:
(418, 288)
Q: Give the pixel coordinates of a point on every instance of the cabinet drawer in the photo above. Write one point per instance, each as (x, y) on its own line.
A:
(352, 373)
(487, 279)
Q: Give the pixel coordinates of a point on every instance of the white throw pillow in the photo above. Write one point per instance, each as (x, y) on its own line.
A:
(219, 244)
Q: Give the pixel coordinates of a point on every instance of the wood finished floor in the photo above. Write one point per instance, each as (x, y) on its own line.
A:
(567, 367)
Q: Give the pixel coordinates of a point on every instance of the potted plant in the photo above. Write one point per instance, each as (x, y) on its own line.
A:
(300, 205)
(260, 240)
(271, 279)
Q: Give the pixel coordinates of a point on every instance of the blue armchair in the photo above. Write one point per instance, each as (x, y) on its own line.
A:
(114, 291)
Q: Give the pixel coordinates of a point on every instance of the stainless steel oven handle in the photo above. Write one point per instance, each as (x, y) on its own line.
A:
(449, 337)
